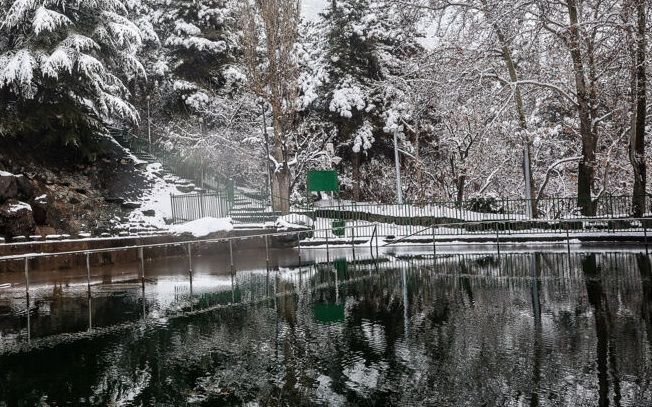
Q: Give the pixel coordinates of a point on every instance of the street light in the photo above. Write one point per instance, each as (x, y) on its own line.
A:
(397, 163)
(201, 156)
(149, 125)
(528, 182)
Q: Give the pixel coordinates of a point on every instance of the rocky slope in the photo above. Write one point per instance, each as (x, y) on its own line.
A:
(49, 190)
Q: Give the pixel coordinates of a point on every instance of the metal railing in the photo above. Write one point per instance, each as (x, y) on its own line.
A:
(189, 207)
(535, 230)
(405, 219)
(494, 209)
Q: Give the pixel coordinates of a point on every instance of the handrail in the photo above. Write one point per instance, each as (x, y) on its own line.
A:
(407, 237)
(170, 244)
(504, 222)
(298, 233)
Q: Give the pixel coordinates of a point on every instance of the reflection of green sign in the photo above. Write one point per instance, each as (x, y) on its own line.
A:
(328, 313)
(323, 181)
(339, 228)
(341, 266)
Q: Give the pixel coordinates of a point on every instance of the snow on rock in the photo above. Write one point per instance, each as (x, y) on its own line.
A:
(293, 222)
(18, 206)
(203, 227)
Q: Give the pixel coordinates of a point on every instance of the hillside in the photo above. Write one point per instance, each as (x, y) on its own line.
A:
(47, 190)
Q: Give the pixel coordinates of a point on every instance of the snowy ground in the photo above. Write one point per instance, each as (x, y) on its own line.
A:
(157, 198)
(203, 227)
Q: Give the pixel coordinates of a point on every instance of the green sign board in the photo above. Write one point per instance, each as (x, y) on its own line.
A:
(339, 228)
(323, 181)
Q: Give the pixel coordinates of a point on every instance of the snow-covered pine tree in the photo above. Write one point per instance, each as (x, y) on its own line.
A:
(365, 43)
(194, 82)
(63, 66)
(199, 46)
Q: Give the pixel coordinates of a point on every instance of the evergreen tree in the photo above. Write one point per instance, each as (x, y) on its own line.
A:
(198, 47)
(365, 43)
(63, 66)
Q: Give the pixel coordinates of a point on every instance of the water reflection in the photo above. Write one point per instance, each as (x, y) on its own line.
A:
(522, 329)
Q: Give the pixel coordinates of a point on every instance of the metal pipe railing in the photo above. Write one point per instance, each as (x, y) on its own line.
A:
(163, 245)
(489, 226)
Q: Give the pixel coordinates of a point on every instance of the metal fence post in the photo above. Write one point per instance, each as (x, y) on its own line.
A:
(568, 239)
(497, 239)
(377, 243)
(141, 257)
(231, 256)
(173, 204)
(190, 262)
(29, 325)
(88, 272)
(353, 240)
(299, 246)
(434, 244)
(328, 253)
(88, 282)
(647, 250)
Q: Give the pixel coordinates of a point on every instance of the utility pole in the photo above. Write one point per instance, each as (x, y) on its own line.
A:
(397, 163)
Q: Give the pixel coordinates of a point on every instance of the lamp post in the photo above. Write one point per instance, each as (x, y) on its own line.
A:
(528, 183)
(397, 163)
(201, 156)
(149, 125)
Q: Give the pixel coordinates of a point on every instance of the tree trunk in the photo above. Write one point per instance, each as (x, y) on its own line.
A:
(280, 191)
(637, 143)
(461, 184)
(281, 177)
(586, 169)
(520, 110)
(356, 176)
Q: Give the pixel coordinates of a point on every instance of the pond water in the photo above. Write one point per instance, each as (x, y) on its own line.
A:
(403, 329)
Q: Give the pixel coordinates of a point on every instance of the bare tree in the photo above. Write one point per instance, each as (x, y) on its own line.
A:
(270, 34)
(639, 110)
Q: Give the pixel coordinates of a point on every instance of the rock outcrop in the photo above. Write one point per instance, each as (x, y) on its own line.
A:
(8, 186)
(40, 209)
(16, 219)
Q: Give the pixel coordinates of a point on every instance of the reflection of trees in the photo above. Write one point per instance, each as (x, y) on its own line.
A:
(538, 329)
(600, 310)
(645, 271)
(478, 332)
